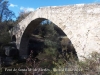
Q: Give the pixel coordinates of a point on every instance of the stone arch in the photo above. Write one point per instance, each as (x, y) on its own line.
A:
(79, 22)
(27, 33)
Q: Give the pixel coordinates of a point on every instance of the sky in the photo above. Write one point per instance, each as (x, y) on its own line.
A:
(30, 5)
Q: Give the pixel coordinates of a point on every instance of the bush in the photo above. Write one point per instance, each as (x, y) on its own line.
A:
(90, 66)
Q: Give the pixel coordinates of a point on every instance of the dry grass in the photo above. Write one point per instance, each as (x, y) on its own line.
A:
(90, 66)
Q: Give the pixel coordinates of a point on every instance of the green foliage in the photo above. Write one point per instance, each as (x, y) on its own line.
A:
(22, 15)
(5, 38)
(51, 45)
(5, 13)
(6, 21)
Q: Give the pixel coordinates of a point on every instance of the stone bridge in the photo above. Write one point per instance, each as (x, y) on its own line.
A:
(80, 22)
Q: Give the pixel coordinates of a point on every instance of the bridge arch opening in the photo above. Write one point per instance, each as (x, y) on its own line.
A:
(13, 38)
(35, 35)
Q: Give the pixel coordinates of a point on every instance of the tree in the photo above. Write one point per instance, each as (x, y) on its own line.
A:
(6, 21)
(5, 13)
(51, 52)
(57, 50)
(22, 15)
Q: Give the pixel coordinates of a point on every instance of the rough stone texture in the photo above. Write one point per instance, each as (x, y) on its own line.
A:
(80, 22)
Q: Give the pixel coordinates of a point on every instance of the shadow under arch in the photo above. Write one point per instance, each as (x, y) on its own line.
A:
(26, 35)
(29, 30)
(13, 39)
